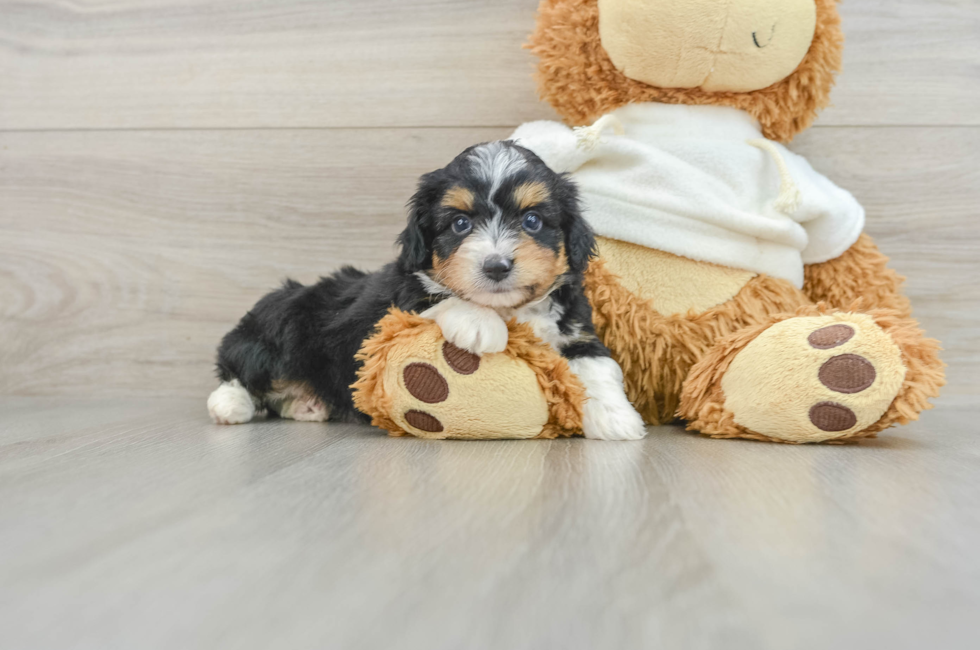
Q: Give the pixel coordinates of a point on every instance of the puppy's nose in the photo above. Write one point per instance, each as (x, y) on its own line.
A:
(496, 267)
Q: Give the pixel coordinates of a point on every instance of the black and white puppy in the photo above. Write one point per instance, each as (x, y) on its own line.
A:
(492, 236)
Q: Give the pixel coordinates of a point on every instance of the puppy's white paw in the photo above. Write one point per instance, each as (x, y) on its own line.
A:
(477, 329)
(603, 421)
(607, 414)
(230, 403)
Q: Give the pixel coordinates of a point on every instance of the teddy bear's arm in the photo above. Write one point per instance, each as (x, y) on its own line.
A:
(861, 272)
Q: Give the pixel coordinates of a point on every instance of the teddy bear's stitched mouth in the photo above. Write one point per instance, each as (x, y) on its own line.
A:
(755, 39)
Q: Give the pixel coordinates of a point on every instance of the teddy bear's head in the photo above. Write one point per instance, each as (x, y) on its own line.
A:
(775, 59)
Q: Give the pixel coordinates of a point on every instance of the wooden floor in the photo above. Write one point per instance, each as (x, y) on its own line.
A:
(136, 524)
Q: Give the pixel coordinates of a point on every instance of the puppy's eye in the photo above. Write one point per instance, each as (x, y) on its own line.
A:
(532, 222)
(461, 225)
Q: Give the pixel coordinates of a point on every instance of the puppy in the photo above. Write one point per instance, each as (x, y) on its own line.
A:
(493, 236)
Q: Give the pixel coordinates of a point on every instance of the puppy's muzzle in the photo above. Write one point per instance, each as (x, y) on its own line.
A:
(497, 267)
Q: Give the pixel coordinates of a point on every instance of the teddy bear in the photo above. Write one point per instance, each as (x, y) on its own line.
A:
(733, 283)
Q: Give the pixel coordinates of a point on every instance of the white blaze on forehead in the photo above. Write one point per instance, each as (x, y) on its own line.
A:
(490, 238)
(495, 162)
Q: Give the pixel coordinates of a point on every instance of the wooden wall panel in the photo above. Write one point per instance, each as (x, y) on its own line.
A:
(124, 257)
(296, 63)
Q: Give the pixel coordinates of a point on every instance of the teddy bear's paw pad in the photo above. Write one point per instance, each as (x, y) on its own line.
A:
(847, 373)
(814, 378)
(444, 391)
(423, 421)
(463, 362)
(425, 383)
(831, 336)
(831, 416)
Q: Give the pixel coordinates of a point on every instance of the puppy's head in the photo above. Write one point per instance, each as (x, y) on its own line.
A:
(497, 227)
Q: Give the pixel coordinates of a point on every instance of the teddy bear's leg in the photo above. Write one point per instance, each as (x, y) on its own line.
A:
(657, 330)
(413, 381)
(860, 276)
(813, 377)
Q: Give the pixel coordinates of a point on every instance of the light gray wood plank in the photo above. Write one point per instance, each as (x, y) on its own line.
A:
(140, 524)
(855, 546)
(908, 62)
(266, 63)
(124, 259)
(279, 63)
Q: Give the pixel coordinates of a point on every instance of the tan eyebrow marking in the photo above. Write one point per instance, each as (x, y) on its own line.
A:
(530, 194)
(459, 198)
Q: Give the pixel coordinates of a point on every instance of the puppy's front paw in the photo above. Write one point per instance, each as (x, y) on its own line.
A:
(476, 329)
(607, 414)
(604, 421)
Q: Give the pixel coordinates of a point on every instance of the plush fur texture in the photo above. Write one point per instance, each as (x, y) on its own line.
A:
(782, 386)
(655, 351)
(862, 274)
(717, 46)
(401, 333)
(674, 284)
(703, 401)
(492, 236)
(576, 76)
(673, 365)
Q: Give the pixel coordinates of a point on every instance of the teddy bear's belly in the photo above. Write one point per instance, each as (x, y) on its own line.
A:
(674, 284)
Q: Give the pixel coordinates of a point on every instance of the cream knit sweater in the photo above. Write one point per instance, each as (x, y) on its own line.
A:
(701, 182)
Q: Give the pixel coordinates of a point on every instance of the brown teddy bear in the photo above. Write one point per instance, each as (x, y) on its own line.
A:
(734, 284)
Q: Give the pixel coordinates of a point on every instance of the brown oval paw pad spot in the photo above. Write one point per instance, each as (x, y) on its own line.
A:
(831, 336)
(425, 384)
(847, 373)
(463, 362)
(423, 421)
(831, 416)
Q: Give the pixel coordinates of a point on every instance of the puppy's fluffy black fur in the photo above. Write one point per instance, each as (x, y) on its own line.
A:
(308, 335)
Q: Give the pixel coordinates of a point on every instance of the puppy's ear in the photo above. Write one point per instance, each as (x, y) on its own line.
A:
(416, 239)
(580, 246)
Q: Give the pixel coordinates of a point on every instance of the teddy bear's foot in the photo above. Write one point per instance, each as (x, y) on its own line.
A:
(414, 381)
(813, 379)
(443, 394)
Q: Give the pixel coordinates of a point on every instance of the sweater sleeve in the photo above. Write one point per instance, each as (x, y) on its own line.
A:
(554, 143)
(831, 216)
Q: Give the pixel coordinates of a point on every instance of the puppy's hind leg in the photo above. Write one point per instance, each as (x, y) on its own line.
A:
(296, 401)
(230, 403)
(305, 410)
